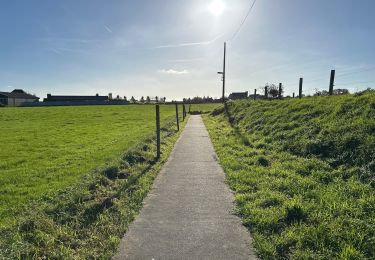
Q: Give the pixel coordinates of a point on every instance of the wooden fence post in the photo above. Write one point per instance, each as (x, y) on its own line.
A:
(183, 112)
(293, 95)
(300, 87)
(266, 92)
(255, 94)
(332, 82)
(280, 89)
(157, 131)
(177, 121)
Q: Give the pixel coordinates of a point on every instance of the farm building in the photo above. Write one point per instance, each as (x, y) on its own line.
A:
(16, 98)
(238, 95)
(51, 98)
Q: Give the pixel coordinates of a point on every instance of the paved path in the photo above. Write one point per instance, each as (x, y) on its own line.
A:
(188, 212)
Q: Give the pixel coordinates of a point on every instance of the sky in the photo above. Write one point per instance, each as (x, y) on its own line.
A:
(174, 48)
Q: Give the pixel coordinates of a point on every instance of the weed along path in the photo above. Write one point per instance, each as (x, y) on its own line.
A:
(188, 214)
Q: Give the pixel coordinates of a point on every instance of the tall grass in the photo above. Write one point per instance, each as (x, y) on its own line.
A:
(303, 173)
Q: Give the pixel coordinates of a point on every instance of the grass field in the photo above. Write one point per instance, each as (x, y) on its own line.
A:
(49, 148)
(303, 172)
(202, 108)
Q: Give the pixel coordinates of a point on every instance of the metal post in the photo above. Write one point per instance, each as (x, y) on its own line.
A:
(157, 131)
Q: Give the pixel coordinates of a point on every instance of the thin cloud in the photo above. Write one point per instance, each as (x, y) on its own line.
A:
(108, 29)
(188, 44)
(174, 72)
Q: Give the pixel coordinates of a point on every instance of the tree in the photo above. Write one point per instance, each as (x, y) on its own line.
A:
(156, 99)
(142, 100)
(273, 91)
(133, 99)
(125, 98)
(148, 100)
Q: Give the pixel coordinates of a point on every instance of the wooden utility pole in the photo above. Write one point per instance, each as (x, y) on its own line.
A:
(223, 72)
(300, 87)
(157, 131)
(332, 82)
(280, 89)
(255, 94)
(224, 67)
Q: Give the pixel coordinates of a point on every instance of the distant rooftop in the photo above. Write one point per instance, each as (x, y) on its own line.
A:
(53, 98)
(18, 93)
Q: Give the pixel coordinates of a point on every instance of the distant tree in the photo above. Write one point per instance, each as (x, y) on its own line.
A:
(157, 99)
(273, 90)
(125, 98)
(142, 100)
(118, 97)
(164, 99)
(148, 100)
(340, 91)
(132, 100)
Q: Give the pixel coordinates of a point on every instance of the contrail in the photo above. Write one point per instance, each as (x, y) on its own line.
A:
(188, 44)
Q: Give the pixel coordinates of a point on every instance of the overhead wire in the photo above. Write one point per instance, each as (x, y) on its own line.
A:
(243, 21)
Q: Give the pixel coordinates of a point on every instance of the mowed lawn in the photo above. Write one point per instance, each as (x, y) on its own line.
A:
(49, 148)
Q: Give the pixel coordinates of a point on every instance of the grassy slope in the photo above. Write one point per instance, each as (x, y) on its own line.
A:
(46, 149)
(88, 218)
(303, 172)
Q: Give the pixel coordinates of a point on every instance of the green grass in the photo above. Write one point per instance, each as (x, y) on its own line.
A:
(202, 108)
(303, 173)
(49, 148)
(87, 218)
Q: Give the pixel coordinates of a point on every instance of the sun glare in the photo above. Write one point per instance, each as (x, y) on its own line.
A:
(216, 7)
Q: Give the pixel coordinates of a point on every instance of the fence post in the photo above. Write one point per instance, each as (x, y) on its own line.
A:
(300, 87)
(332, 82)
(280, 89)
(157, 131)
(255, 94)
(266, 92)
(293, 95)
(183, 112)
(178, 123)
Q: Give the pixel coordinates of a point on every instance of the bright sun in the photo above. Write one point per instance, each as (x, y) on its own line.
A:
(216, 7)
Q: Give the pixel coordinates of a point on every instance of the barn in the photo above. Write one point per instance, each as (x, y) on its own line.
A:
(16, 98)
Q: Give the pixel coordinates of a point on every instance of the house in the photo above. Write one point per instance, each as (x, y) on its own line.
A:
(16, 98)
(238, 95)
(51, 98)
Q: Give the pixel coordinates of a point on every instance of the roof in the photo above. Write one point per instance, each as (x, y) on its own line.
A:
(239, 95)
(18, 93)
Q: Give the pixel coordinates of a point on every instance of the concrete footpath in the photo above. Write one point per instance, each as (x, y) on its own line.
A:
(188, 214)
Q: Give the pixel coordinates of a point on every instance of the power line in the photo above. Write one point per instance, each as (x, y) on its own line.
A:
(243, 22)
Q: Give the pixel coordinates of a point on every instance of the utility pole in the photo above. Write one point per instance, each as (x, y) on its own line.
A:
(223, 72)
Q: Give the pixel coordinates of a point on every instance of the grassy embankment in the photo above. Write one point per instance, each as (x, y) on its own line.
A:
(73, 178)
(303, 173)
